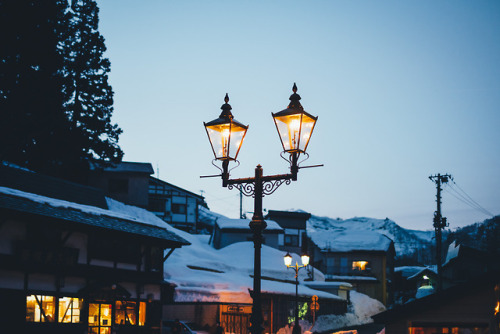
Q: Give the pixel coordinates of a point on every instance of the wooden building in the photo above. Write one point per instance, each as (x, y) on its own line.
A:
(472, 307)
(132, 183)
(68, 264)
(294, 228)
(176, 206)
(363, 259)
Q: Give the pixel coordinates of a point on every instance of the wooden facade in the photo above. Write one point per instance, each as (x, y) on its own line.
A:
(176, 206)
(369, 271)
(68, 267)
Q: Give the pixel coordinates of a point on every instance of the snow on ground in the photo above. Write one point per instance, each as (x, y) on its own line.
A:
(360, 311)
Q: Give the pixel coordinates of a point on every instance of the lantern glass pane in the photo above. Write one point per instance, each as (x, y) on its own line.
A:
(288, 260)
(226, 139)
(295, 131)
(305, 260)
(289, 131)
(305, 132)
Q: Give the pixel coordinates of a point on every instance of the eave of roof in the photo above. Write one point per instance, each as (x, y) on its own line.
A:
(25, 205)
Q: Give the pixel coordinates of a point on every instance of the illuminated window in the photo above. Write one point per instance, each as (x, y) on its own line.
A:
(69, 310)
(126, 313)
(360, 265)
(142, 313)
(40, 308)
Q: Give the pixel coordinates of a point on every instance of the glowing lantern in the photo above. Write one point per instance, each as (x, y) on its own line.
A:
(225, 134)
(294, 125)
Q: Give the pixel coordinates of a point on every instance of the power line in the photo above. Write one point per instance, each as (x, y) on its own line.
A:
(466, 201)
(473, 201)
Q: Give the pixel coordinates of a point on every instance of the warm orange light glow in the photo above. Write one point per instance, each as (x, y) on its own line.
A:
(497, 308)
(359, 265)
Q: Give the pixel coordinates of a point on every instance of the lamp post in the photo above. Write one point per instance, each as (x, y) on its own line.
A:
(295, 127)
(288, 263)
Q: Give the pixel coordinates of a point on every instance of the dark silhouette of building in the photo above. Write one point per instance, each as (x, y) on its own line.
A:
(68, 264)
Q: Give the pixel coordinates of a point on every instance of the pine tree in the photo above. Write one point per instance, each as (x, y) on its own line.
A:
(55, 99)
(31, 100)
(89, 97)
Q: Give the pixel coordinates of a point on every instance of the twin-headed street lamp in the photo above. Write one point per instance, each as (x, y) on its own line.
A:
(295, 127)
(288, 263)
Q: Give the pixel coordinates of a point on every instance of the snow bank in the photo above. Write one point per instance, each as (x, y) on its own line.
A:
(360, 311)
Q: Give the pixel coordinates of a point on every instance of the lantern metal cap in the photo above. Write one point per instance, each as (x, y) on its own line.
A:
(294, 99)
(294, 107)
(225, 116)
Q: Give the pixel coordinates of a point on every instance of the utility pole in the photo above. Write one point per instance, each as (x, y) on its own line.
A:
(439, 222)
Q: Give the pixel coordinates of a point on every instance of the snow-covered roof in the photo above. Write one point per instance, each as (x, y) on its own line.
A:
(204, 274)
(350, 278)
(452, 253)
(348, 241)
(243, 224)
(318, 284)
(21, 201)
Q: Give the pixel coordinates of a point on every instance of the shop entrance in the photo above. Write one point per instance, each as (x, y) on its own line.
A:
(235, 318)
(100, 318)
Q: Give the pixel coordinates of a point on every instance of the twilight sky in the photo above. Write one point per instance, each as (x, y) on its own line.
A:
(402, 89)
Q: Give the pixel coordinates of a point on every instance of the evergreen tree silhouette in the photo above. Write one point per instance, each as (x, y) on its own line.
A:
(55, 99)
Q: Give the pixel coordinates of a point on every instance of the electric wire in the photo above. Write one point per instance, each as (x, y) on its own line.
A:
(466, 201)
(465, 198)
(463, 191)
(469, 201)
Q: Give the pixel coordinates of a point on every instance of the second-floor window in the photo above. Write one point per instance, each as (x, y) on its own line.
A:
(179, 208)
(360, 266)
(291, 240)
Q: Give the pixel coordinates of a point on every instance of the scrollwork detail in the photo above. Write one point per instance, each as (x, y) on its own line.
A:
(247, 189)
(270, 186)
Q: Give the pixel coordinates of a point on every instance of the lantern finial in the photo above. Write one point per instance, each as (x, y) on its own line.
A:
(294, 99)
(226, 109)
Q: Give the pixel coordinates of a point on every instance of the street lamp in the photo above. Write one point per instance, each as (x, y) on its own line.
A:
(288, 263)
(226, 136)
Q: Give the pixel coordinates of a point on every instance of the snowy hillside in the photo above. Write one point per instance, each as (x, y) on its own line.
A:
(405, 241)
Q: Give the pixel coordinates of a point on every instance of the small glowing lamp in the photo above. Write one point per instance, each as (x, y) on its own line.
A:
(305, 259)
(294, 125)
(225, 134)
(288, 260)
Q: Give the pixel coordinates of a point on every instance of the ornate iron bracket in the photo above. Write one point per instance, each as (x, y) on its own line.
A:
(247, 189)
(268, 187)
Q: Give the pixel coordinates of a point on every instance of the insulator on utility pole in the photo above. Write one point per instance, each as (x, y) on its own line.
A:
(439, 222)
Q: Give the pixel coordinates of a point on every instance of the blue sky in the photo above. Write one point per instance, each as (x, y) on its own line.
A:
(402, 89)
